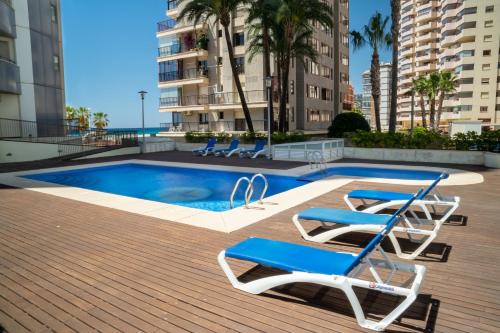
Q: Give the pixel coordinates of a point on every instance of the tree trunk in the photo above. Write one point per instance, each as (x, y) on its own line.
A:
(432, 114)
(236, 77)
(422, 109)
(395, 10)
(285, 70)
(375, 82)
(267, 67)
(440, 109)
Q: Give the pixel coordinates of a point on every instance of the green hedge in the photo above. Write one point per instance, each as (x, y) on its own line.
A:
(347, 122)
(247, 137)
(424, 139)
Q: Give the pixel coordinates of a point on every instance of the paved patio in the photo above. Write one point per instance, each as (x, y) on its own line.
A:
(67, 266)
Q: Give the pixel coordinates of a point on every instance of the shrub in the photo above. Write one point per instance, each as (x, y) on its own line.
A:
(347, 122)
(249, 137)
(421, 138)
(202, 137)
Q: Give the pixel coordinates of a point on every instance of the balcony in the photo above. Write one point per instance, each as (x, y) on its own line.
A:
(10, 82)
(180, 127)
(172, 10)
(217, 101)
(180, 78)
(7, 20)
(171, 27)
(181, 51)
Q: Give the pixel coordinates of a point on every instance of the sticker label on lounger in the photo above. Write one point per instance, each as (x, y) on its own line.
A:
(413, 231)
(380, 287)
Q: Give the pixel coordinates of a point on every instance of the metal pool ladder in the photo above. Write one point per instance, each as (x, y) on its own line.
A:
(317, 161)
(249, 190)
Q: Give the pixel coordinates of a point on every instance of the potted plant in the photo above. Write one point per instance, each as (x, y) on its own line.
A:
(202, 42)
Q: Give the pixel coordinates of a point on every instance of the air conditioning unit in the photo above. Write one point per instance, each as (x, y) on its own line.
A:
(188, 113)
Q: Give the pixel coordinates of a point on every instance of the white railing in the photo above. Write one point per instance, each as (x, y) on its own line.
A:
(331, 150)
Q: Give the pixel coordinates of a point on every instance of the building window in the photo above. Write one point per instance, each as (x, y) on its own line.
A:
(486, 67)
(219, 61)
(56, 63)
(488, 24)
(326, 94)
(486, 53)
(221, 115)
(312, 91)
(488, 38)
(489, 9)
(203, 118)
(485, 95)
(313, 115)
(240, 65)
(53, 13)
(291, 115)
(239, 38)
(485, 80)
(219, 33)
(483, 108)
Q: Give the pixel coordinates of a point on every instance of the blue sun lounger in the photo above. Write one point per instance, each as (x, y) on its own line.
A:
(332, 269)
(254, 153)
(209, 148)
(227, 152)
(340, 221)
(429, 199)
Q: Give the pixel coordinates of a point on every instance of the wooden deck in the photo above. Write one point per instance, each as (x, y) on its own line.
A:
(67, 266)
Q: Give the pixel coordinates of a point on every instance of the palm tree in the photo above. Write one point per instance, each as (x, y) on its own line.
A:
(70, 112)
(100, 120)
(261, 16)
(220, 11)
(420, 87)
(395, 16)
(375, 35)
(432, 92)
(83, 117)
(447, 85)
(291, 34)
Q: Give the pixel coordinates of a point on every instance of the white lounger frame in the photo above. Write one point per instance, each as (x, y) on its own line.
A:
(409, 289)
(252, 154)
(228, 154)
(411, 228)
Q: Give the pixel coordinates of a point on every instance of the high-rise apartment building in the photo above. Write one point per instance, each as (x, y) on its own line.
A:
(197, 87)
(385, 97)
(461, 36)
(31, 69)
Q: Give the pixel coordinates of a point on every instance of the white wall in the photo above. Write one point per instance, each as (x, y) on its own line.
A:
(26, 151)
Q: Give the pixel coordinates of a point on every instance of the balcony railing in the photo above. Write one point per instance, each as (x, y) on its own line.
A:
(10, 77)
(175, 49)
(212, 126)
(183, 75)
(253, 96)
(166, 25)
(171, 4)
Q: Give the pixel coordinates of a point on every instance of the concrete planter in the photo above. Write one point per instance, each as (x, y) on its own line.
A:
(419, 155)
(492, 160)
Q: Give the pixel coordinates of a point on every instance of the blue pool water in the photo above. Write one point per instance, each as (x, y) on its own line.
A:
(196, 188)
(199, 188)
(372, 172)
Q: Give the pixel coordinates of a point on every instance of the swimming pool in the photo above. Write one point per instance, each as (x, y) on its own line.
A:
(195, 188)
(205, 189)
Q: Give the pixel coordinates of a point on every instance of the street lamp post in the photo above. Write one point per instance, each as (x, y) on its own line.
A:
(143, 93)
(269, 85)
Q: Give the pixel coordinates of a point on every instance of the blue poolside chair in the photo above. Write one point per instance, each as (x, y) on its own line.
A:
(254, 153)
(304, 264)
(347, 221)
(204, 151)
(227, 152)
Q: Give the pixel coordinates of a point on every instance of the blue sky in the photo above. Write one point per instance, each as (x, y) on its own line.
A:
(110, 54)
